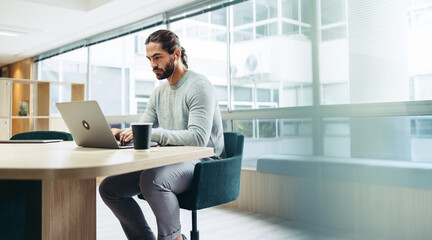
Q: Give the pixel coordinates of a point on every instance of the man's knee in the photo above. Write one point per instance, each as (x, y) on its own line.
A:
(151, 180)
(104, 189)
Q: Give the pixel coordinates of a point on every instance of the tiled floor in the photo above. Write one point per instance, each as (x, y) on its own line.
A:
(220, 223)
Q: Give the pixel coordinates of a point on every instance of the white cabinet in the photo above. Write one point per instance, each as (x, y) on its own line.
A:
(4, 129)
(5, 98)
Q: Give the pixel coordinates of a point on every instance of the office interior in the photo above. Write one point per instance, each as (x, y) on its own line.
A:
(333, 98)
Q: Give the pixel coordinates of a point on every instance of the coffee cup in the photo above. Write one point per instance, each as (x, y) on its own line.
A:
(141, 135)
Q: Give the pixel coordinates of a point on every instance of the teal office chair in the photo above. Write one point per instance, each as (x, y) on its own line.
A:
(42, 135)
(214, 182)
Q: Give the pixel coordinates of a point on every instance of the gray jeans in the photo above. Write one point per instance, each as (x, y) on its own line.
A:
(159, 187)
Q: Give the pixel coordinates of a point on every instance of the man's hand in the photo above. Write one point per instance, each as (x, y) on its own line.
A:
(116, 132)
(125, 136)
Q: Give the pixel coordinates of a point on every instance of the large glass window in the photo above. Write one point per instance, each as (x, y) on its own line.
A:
(314, 59)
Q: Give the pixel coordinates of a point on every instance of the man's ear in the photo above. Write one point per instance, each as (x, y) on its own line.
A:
(177, 53)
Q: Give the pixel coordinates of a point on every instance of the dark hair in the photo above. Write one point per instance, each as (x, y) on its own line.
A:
(169, 42)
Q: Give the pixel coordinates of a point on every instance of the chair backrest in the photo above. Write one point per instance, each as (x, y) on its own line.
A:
(233, 144)
(42, 135)
(216, 181)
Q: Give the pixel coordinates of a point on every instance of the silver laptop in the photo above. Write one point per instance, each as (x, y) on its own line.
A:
(87, 124)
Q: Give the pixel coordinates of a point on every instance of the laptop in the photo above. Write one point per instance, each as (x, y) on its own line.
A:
(88, 126)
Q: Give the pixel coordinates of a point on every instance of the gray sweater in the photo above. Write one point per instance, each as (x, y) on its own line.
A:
(186, 114)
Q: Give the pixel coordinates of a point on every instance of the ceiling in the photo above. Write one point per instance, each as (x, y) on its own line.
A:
(31, 27)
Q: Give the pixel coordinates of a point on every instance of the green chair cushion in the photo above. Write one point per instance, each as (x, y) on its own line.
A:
(42, 135)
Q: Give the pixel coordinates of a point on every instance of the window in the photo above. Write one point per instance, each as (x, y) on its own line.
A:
(290, 9)
(120, 78)
(68, 67)
(383, 46)
(243, 13)
(108, 76)
(270, 59)
(308, 77)
(266, 30)
(266, 9)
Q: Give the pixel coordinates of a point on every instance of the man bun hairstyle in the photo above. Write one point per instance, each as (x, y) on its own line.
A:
(169, 42)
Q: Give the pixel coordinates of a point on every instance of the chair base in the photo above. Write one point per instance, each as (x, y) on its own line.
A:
(194, 234)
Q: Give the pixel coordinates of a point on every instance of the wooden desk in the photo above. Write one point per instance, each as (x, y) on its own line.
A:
(68, 174)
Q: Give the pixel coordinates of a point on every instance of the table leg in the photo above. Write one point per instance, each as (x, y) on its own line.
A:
(69, 209)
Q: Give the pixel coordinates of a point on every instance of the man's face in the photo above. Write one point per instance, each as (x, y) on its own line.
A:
(160, 60)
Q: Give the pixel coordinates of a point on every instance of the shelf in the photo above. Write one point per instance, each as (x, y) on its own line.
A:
(22, 117)
(31, 117)
(22, 96)
(36, 99)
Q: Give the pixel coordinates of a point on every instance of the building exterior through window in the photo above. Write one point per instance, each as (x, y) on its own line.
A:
(284, 54)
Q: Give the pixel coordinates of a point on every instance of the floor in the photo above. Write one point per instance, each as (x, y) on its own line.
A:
(226, 223)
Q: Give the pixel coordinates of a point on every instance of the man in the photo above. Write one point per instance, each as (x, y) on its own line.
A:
(184, 111)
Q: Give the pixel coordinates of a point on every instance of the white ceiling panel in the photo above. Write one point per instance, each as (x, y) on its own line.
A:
(41, 25)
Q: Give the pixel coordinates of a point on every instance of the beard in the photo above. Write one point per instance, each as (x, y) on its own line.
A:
(166, 72)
